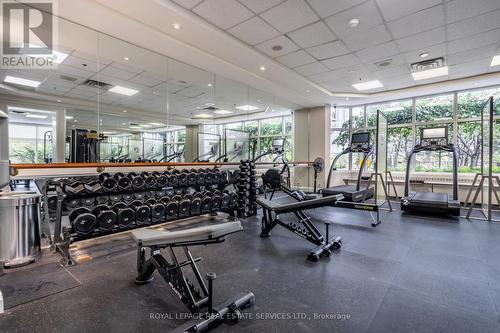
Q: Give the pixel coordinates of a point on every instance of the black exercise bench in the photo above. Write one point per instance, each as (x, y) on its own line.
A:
(194, 297)
(304, 227)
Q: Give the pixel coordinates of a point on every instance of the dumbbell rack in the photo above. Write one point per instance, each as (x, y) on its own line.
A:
(57, 211)
(247, 189)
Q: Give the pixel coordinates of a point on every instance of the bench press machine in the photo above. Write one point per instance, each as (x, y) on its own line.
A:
(194, 298)
(304, 227)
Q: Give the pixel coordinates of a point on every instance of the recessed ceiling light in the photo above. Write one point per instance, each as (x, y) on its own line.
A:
(424, 55)
(75, 121)
(59, 101)
(126, 58)
(69, 117)
(277, 48)
(157, 124)
(353, 23)
(495, 61)
(145, 125)
(203, 115)
(124, 111)
(368, 85)
(176, 26)
(476, 84)
(347, 98)
(209, 104)
(135, 127)
(430, 73)
(247, 107)
(262, 68)
(198, 107)
(124, 124)
(223, 112)
(209, 84)
(155, 93)
(307, 90)
(258, 101)
(123, 91)
(21, 81)
(36, 116)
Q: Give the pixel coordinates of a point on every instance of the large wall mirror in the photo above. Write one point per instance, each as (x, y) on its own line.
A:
(112, 101)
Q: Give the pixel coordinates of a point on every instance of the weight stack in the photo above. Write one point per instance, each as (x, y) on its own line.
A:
(247, 189)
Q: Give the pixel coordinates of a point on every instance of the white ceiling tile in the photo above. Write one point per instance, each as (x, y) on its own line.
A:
(223, 13)
(392, 10)
(72, 71)
(367, 14)
(351, 72)
(328, 50)
(434, 51)
(82, 64)
(473, 25)
(296, 59)
(323, 77)
(421, 40)
(325, 8)
(377, 52)
(188, 3)
(314, 34)
(311, 69)
(290, 15)
(474, 42)
(50, 91)
(287, 46)
(461, 9)
(367, 38)
(258, 6)
(145, 80)
(386, 63)
(471, 55)
(337, 85)
(254, 31)
(422, 21)
(341, 62)
(396, 71)
(117, 73)
(128, 68)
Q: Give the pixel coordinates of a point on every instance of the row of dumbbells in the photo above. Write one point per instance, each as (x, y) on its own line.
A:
(247, 188)
(120, 215)
(146, 180)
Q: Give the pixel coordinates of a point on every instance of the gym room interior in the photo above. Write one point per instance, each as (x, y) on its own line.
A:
(250, 166)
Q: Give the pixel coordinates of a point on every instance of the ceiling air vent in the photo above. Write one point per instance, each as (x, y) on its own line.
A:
(211, 108)
(383, 63)
(427, 64)
(68, 78)
(97, 84)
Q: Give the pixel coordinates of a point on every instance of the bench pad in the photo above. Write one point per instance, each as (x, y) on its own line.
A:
(299, 205)
(151, 237)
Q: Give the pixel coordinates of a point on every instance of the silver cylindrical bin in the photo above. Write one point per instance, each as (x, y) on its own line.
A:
(20, 234)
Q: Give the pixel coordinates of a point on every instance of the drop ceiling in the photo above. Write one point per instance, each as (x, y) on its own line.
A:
(314, 37)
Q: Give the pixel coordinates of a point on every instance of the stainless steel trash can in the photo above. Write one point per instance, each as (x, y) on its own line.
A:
(20, 233)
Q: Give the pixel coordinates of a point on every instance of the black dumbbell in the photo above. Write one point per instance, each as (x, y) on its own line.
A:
(206, 202)
(175, 171)
(142, 212)
(149, 194)
(72, 187)
(209, 178)
(184, 206)
(88, 201)
(106, 217)
(216, 200)
(124, 215)
(161, 179)
(157, 209)
(173, 179)
(140, 196)
(137, 181)
(124, 183)
(234, 199)
(225, 200)
(93, 187)
(183, 178)
(149, 179)
(102, 199)
(192, 178)
(196, 203)
(171, 207)
(52, 201)
(108, 183)
(82, 220)
(115, 198)
(215, 176)
(128, 197)
(71, 203)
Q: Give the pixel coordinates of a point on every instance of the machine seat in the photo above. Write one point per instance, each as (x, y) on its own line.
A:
(295, 206)
(150, 237)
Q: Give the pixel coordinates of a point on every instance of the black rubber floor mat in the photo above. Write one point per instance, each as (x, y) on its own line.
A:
(31, 283)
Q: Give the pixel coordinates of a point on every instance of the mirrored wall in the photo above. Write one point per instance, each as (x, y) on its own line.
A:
(111, 101)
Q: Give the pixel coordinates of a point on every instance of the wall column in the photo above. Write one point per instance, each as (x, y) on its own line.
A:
(311, 140)
(60, 137)
(4, 146)
(191, 147)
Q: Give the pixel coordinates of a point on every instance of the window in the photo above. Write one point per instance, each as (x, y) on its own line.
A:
(26, 143)
(434, 108)
(470, 102)
(469, 146)
(399, 144)
(235, 126)
(271, 126)
(399, 112)
(338, 140)
(358, 117)
(252, 127)
(340, 117)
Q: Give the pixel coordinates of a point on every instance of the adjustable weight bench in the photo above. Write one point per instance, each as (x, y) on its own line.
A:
(304, 227)
(194, 297)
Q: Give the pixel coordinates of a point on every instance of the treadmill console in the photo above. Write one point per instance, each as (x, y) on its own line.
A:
(433, 138)
(278, 145)
(360, 142)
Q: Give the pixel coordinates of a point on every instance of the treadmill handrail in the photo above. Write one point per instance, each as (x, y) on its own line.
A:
(360, 173)
(449, 148)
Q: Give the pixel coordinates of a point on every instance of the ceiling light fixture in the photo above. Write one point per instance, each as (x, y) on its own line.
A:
(307, 90)
(495, 61)
(123, 91)
(368, 85)
(262, 68)
(347, 98)
(223, 112)
(36, 116)
(135, 127)
(430, 73)
(157, 124)
(124, 111)
(126, 58)
(198, 107)
(353, 23)
(209, 104)
(176, 26)
(145, 125)
(247, 107)
(203, 115)
(21, 81)
(59, 101)
(69, 117)
(424, 55)
(209, 84)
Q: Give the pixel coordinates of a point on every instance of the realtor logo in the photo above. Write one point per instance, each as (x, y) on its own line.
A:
(28, 33)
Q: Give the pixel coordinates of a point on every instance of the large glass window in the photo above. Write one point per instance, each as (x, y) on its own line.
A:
(26, 143)
(271, 126)
(398, 112)
(469, 103)
(399, 144)
(434, 108)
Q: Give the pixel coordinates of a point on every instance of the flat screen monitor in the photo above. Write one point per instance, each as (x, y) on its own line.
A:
(434, 133)
(360, 137)
(278, 143)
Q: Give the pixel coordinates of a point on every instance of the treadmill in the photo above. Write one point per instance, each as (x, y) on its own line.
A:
(360, 143)
(432, 139)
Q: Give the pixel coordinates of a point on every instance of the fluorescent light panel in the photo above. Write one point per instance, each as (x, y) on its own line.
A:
(495, 61)
(21, 81)
(368, 85)
(69, 117)
(124, 91)
(247, 107)
(203, 115)
(431, 73)
(36, 116)
(157, 124)
(223, 112)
